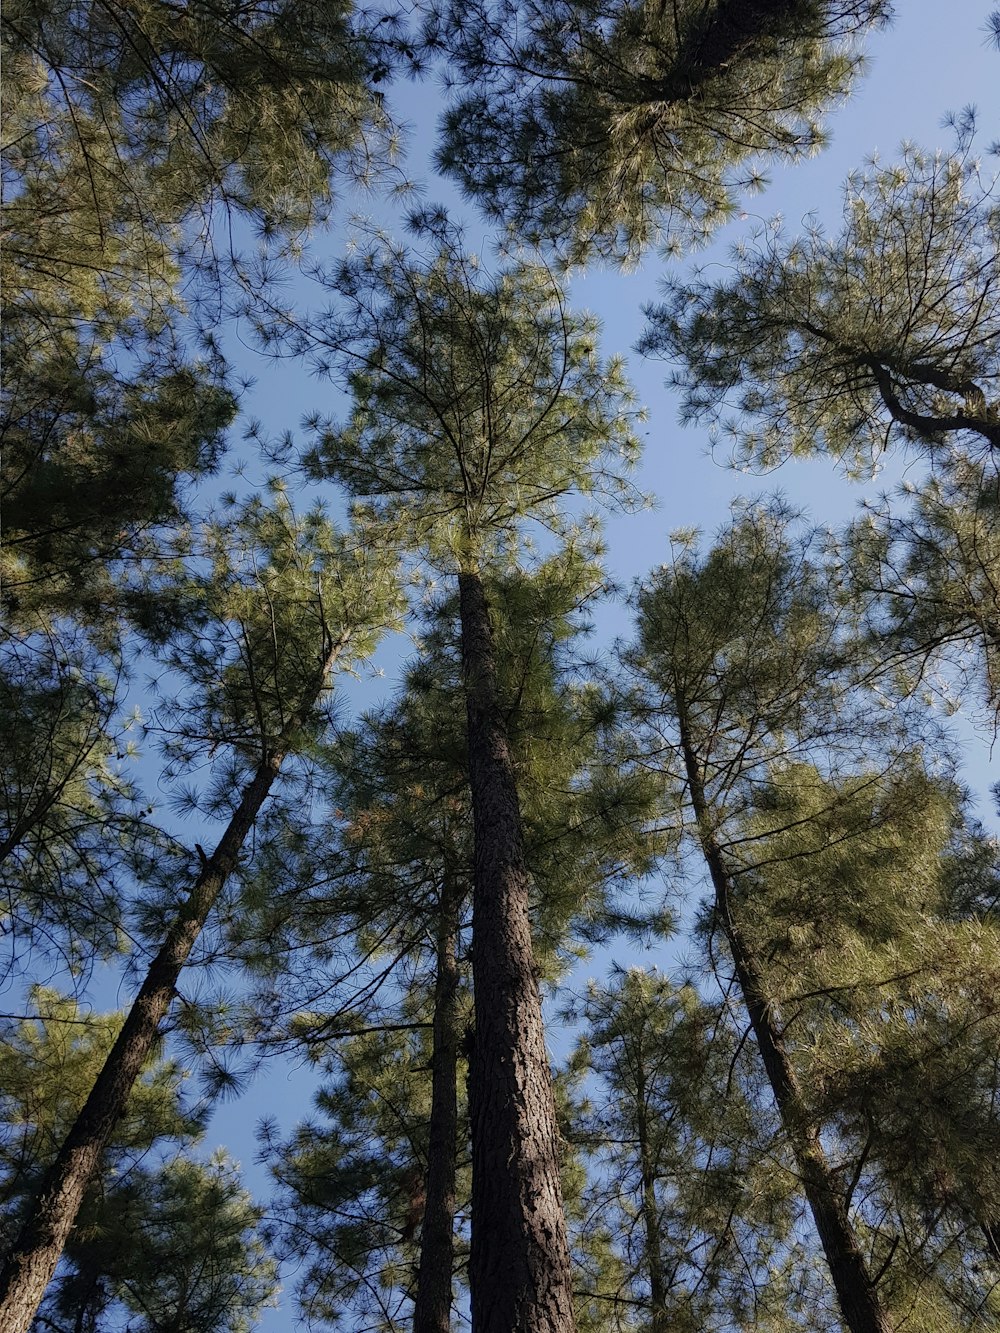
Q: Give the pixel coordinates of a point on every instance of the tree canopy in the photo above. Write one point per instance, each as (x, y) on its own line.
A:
(228, 856)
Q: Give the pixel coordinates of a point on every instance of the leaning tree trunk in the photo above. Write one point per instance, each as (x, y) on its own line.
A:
(432, 1307)
(860, 1306)
(519, 1268)
(32, 1260)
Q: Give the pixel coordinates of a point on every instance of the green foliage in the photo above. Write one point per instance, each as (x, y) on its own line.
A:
(686, 1178)
(608, 125)
(481, 403)
(840, 345)
(151, 116)
(125, 130)
(175, 1249)
(94, 470)
(69, 816)
(745, 643)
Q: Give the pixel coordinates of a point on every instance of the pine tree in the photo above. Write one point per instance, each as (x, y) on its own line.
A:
(480, 404)
(129, 132)
(838, 866)
(286, 603)
(401, 790)
(683, 1156)
(174, 1249)
(172, 1241)
(742, 667)
(606, 125)
(883, 336)
(890, 984)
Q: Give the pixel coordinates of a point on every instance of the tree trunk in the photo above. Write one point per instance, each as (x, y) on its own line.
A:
(432, 1307)
(32, 1260)
(520, 1270)
(650, 1210)
(860, 1306)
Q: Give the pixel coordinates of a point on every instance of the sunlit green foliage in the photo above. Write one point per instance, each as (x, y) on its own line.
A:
(884, 335)
(887, 331)
(686, 1178)
(843, 857)
(887, 974)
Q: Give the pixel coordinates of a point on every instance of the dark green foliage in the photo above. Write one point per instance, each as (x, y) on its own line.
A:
(352, 1180)
(94, 470)
(885, 335)
(608, 125)
(174, 1249)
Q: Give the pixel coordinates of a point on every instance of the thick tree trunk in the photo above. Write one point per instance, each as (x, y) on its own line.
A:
(432, 1307)
(860, 1306)
(31, 1262)
(520, 1269)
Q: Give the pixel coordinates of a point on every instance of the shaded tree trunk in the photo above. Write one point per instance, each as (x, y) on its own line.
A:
(650, 1211)
(520, 1269)
(432, 1307)
(32, 1260)
(858, 1299)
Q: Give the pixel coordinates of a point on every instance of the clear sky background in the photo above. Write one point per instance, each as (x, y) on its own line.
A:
(934, 59)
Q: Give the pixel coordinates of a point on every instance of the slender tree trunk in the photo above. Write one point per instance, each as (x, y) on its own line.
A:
(520, 1269)
(432, 1307)
(859, 1302)
(650, 1211)
(32, 1260)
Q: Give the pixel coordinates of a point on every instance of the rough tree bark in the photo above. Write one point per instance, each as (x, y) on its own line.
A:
(520, 1269)
(860, 1306)
(32, 1260)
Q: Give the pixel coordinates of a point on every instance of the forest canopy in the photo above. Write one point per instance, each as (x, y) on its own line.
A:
(633, 947)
